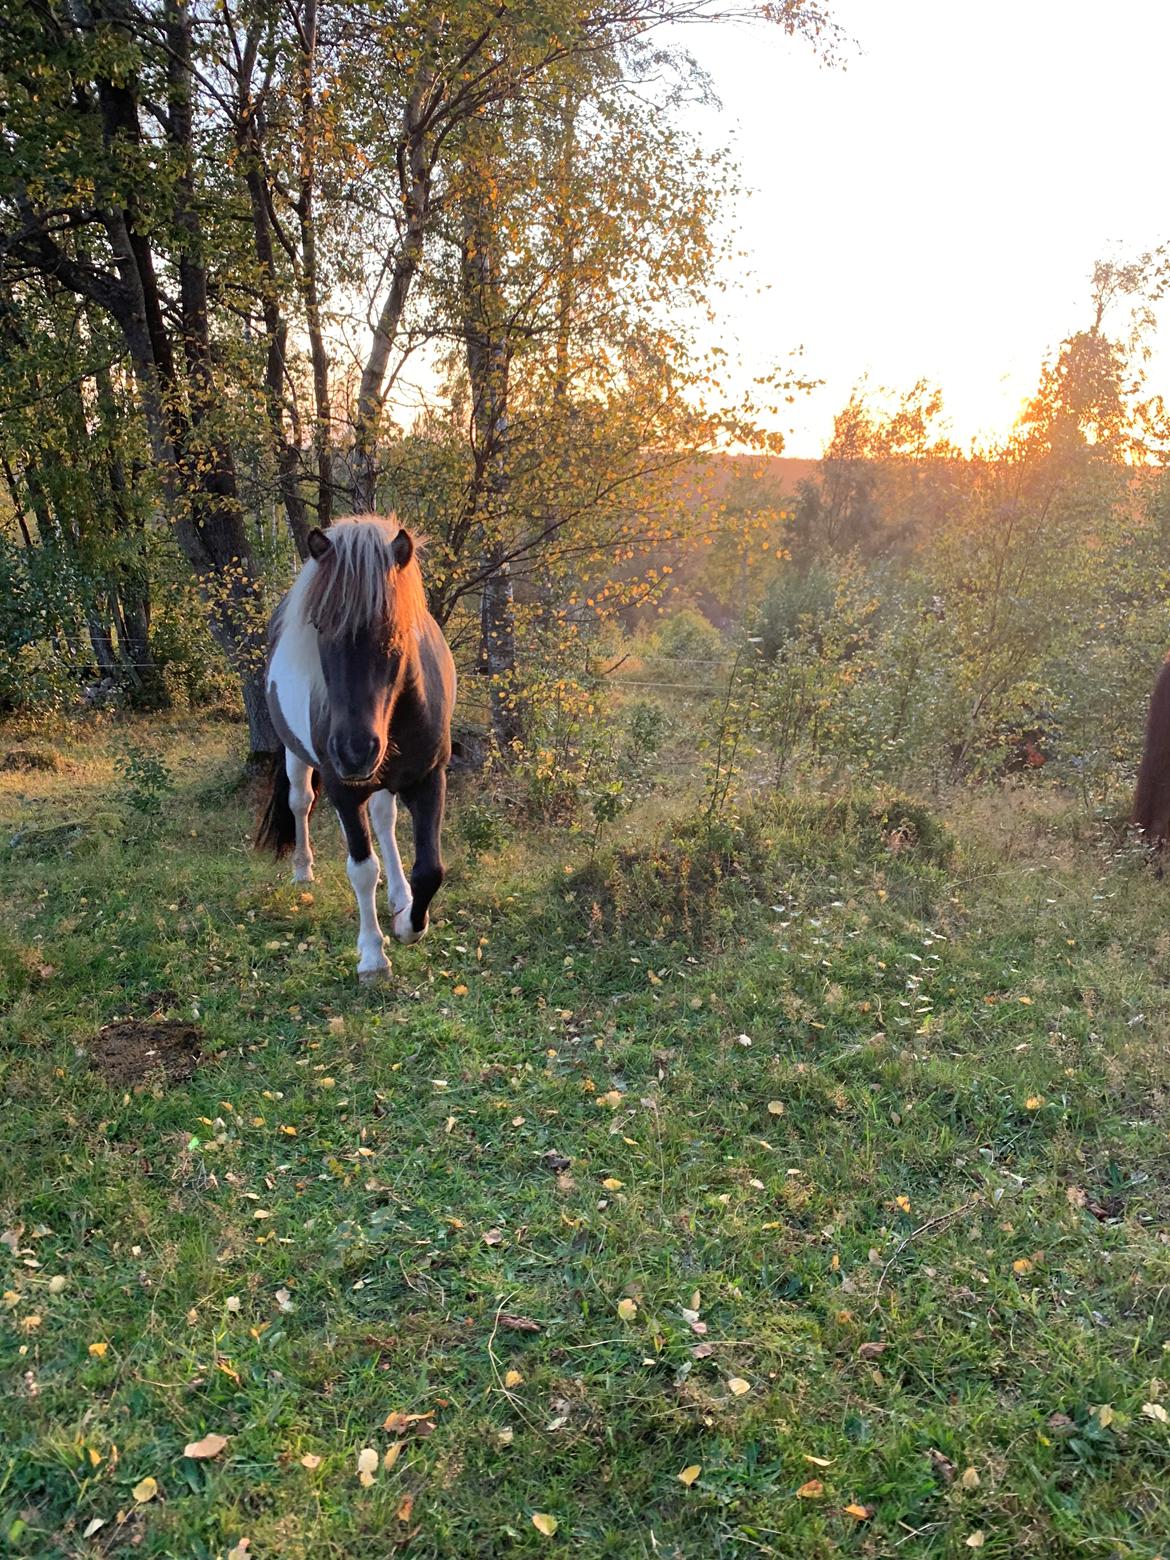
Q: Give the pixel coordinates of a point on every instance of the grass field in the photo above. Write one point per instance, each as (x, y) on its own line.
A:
(825, 1164)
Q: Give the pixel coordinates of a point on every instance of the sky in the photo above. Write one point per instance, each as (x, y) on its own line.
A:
(934, 209)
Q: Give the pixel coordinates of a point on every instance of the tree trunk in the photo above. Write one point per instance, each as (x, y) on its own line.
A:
(415, 167)
(485, 337)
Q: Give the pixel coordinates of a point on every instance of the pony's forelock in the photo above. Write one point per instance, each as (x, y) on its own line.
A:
(358, 586)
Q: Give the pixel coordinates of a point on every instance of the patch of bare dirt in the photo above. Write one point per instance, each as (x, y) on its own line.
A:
(130, 1051)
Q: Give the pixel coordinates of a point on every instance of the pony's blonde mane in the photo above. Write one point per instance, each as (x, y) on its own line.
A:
(358, 587)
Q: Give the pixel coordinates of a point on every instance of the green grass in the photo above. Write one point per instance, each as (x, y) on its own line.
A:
(923, 1215)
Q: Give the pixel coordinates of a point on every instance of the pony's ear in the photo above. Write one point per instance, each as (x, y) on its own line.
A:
(402, 548)
(319, 543)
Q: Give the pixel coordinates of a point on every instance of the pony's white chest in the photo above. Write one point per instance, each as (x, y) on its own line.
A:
(295, 674)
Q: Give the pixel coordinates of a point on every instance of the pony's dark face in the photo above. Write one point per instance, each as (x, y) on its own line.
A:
(363, 667)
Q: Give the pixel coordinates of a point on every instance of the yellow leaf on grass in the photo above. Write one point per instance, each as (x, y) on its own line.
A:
(813, 1490)
(1157, 1412)
(209, 1446)
(405, 1507)
(459, 991)
(513, 1379)
(627, 1309)
(903, 1203)
(690, 1474)
(969, 1479)
(612, 1184)
(98, 1350)
(1033, 1102)
(241, 1551)
(1104, 1413)
(818, 1462)
(57, 1283)
(1022, 1265)
(775, 1107)
(146, 1489)
(862, 1513)
(545, 1524)
(391, 1455)
(975, 1540)
(737, 1386)
(310, 1460)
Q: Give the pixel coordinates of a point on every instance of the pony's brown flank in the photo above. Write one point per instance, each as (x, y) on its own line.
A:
(1151, 802)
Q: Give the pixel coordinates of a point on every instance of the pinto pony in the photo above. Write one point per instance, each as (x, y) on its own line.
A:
(1151, 802)
(361, 686)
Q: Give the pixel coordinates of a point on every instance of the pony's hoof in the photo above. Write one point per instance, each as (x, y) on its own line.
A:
(376, 976)
(404, 931)
(303, 875)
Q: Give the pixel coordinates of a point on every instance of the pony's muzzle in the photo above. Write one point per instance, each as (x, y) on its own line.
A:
(355, 755)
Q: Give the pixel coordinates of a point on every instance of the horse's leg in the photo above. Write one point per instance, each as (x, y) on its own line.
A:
(425, 801)
(383, 816)
(363, 872)
(300, 799)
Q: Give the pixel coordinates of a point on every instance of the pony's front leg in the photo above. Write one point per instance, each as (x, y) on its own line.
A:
(300, 799)
(363, 872)
(425, 801)
(384, 817)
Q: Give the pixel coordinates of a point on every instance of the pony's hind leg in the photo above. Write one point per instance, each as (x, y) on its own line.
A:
(383, 816)
(363, 872)
(300, 799)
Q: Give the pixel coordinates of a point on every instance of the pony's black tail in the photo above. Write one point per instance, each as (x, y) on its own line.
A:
(276, 829)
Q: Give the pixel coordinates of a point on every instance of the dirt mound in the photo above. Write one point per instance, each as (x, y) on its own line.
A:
(131, 1050)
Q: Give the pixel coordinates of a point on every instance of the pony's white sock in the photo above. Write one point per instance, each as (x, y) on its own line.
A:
(363, 877)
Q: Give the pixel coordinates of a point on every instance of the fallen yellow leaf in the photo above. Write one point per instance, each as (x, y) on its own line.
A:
(391, 1455)
(209, 1446)
(1022, 1265)
(975, 1540)
(367, 1466)
(1033, 1102)
(310, 1460)
(818, 1462)
(969, 1479)
(513, 1379)
(545, 1524)
(405, 1507)
(98, 1350)
(146, 1489)
(1156, 1412)
(737, 1386)
(612, 1184)
(775, 1107)
(690, 1474)
(627, 1309)
(813, 1490)
(862, 1513)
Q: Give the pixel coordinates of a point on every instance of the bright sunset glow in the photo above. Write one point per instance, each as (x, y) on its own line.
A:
(934, 209)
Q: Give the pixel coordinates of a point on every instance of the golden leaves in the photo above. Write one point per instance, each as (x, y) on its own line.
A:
(738, 1387)
(145, 1490)
(544, 1523)
(627, 1309)
(812, 1490)
(690, 1474)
